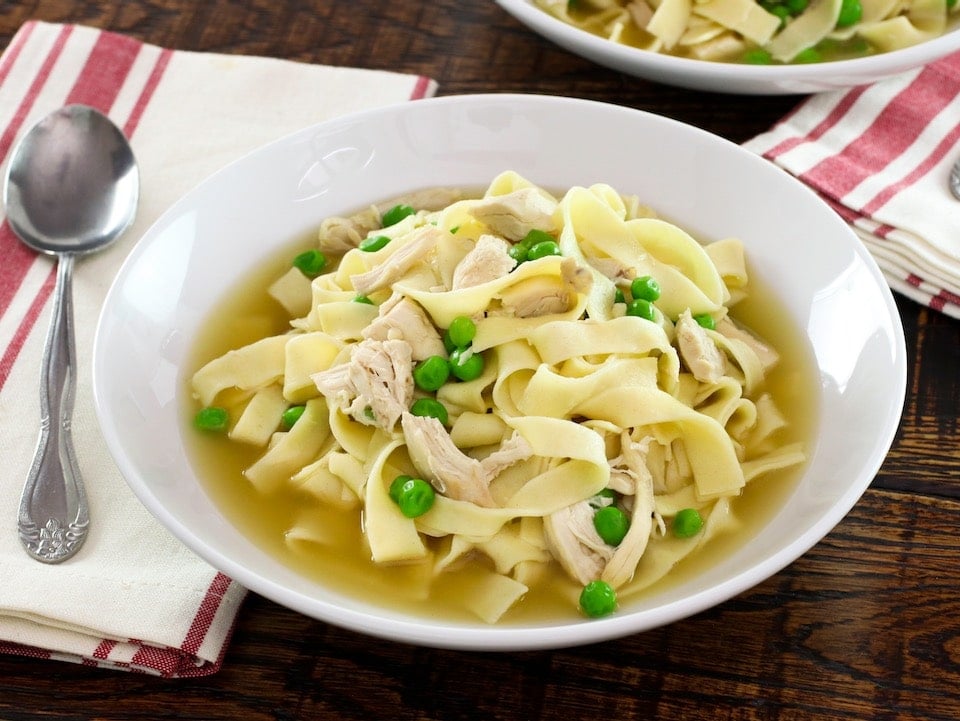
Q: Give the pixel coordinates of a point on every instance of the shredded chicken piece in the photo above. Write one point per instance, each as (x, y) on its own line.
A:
(455, 474)
(378, 377)
(515, 214)
(394, 267)
(622, 564)
(575, 543)
(488, 260)
(403, 319)
(700, 354)
(545, 295)
(767, 355)
(611, 268)
(641, 13)
(338, 235)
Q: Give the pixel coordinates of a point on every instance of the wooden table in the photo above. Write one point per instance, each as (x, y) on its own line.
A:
(864, 626)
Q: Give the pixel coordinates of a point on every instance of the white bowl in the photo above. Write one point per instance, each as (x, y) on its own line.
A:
(730, 77)
(830, 287)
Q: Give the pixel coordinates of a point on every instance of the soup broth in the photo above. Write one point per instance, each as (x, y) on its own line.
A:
(247, 314)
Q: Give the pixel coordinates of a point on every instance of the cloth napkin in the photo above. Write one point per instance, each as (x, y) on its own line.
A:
(881, 155)
(133, 598)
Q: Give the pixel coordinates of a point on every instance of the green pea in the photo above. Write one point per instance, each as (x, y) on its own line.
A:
(543, 249)
(851, 11)
(465, 364)
(687, 523)
(602, 499)
(431, 408)
(373, 243)
(757, 56)
(414, 497)
(645, 287)
(431, 373)
(212, 418)
(291, 416)
(362, 299)
(310, 262)
(369, 414)
(535, 236)
(618, 296)
(797, 6)
(448, 343)
(520, 251)
(810, 55)
(396, 214)
(396, 485)
(950, 4)
(641, 308)
(705, 320)
(462, 331)
(781, 11)
(612, 524)
(598, 599)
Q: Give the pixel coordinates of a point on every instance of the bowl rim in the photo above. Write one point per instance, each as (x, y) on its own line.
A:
(605, 51)
(451, 634)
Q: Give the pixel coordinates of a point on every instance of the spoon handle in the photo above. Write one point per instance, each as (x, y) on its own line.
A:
(53, 516)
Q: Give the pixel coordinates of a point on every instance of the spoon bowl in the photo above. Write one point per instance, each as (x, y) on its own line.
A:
(72, 187)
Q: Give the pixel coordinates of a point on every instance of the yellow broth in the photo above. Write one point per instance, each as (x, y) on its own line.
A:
(247, 313)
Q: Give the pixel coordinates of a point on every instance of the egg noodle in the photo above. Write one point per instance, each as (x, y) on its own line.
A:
(580, 403)
(783, 31)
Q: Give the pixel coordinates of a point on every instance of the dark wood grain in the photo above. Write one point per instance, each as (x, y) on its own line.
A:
(866, 625)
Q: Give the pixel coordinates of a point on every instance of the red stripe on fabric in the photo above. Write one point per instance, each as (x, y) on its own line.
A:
(883, 231)
(891, 133)
(832, 118)
(26, 325)
(884, 196)
(914, 280)
(104, 72)
(164, 661)
(937, 303)
(18, 649)
(949, 297)
(147, 93)
(205, 614)
(10, 132)
(421, 87)
(103, 650)
(12, 52)
(16, 257)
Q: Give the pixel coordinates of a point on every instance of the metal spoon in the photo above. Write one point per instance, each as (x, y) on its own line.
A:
(72, 187)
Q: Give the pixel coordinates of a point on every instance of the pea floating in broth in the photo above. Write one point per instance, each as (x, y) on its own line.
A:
(760, 32)
(490, 435)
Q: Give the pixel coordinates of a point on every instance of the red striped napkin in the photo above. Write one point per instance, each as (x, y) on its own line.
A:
(881, 155)
(133, 598)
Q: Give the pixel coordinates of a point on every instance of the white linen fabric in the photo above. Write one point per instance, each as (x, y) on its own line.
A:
(133, 598)
(881, 155)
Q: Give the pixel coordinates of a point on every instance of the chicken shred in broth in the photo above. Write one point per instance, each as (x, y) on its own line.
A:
(580, 397)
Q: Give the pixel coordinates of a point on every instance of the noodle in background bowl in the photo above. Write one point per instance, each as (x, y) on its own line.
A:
(245, 213)
(730, 77)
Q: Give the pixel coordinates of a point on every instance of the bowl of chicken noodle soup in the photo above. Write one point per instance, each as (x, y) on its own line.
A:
(750, 46)
(460, 382)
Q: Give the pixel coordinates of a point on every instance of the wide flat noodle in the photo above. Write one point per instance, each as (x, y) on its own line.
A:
(805, 31)
(575, 397)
